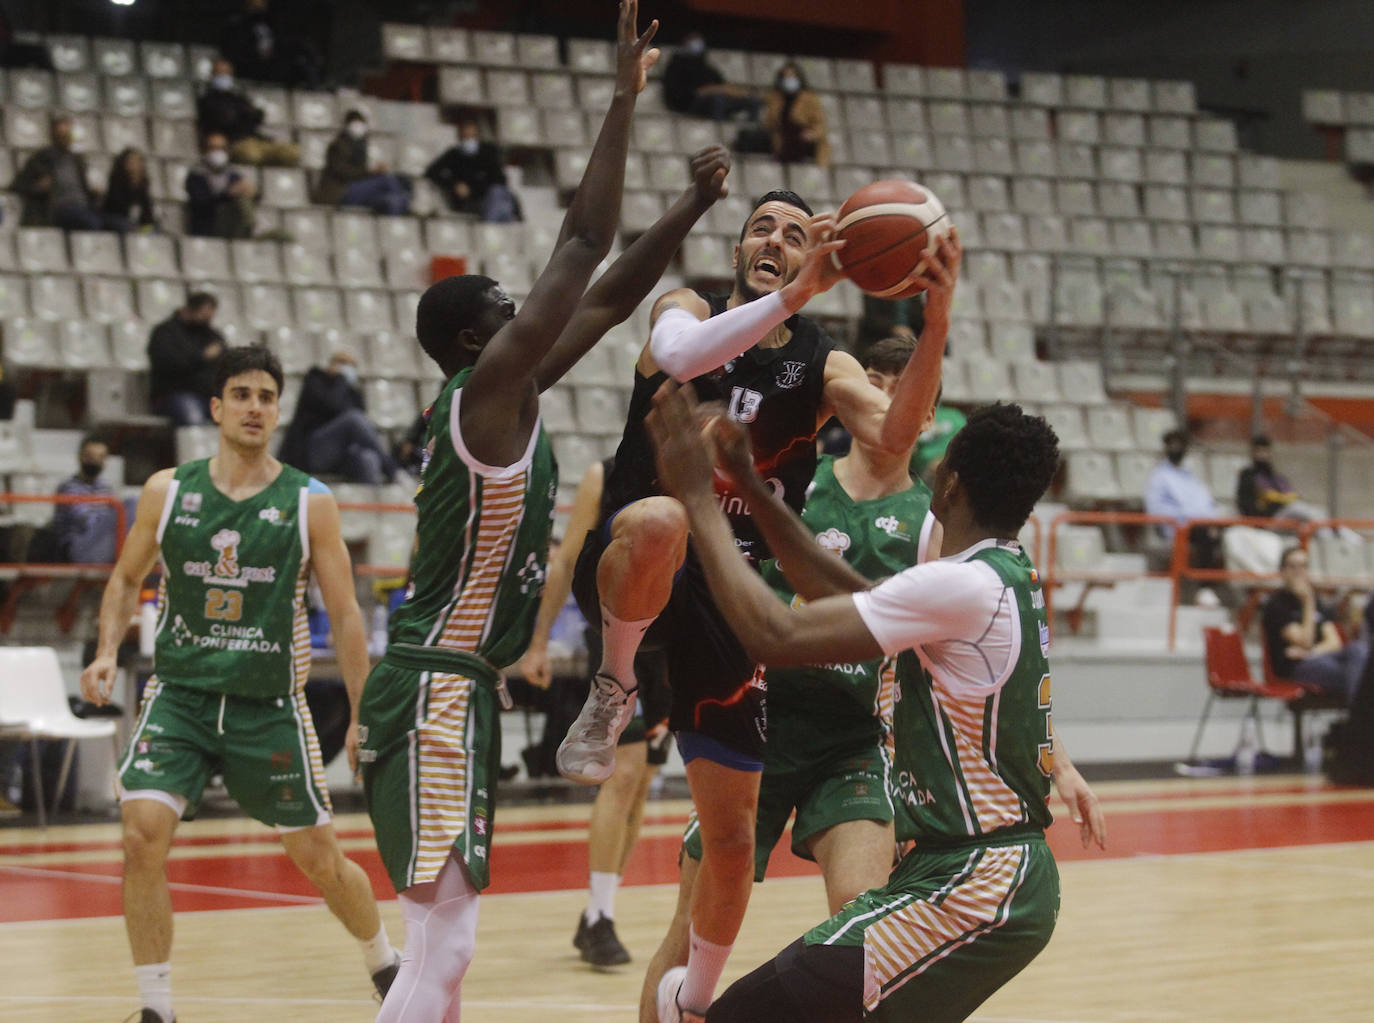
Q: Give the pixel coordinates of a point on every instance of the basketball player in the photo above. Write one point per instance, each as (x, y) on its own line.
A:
(780, 374)
(618, 809)
(429, 739)
(977, 898)
(238, 535)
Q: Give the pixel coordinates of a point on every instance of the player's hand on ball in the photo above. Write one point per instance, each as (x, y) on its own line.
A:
(634, 55)
(709, 168)
(939, 272)
(681, 453)
(819, 272)
(97, 680)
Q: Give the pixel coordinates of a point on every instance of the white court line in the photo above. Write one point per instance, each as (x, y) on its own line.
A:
(180, 886)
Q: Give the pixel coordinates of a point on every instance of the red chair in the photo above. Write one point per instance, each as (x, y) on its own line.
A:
(1228, 678)
(1310, 699)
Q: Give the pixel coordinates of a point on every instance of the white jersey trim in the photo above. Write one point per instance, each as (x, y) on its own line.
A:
(303, 514)
(471, 461)
(167, 504)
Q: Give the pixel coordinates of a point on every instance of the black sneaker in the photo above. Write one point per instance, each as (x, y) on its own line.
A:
(147, 1015)
(603, 947)
(385, 977)
(581, 939)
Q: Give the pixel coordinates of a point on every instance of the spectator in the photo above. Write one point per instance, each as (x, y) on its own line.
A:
(128, 201)
(225, 110)
(220, 198)
(86, 532)
(1263, 492)
(1173, 490)
(331, 433)
(693, 85)
(795, 120)
(262, 52)
(1300, 639)
(472, 179)
(182, 351)
(54, 187)
(349, 180)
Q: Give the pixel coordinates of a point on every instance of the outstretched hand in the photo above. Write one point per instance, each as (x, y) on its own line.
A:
(709, 168)
(634, 55)
(681, 452)
(818, 272)
(939, 272)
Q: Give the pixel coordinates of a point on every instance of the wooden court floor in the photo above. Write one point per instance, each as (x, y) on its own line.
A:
(1219, 900)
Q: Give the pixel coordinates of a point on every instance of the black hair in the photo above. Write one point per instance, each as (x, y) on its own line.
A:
(889, 355)
(1005, 460)
(196, 300)
(244, 359)
(354, 115)
(783, 195)
(92, 438)
(448, 306)
(1261, 440)
(1288, 552)
(1176, 435)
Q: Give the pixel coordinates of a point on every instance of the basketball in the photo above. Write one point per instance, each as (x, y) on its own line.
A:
(887, 226)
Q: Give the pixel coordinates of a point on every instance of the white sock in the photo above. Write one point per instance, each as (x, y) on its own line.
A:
(155, 988)
(705, 964)
(377, 951)
(619, 644)
(602, 896)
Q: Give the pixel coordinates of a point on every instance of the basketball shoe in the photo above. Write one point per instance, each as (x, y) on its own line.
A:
(385, 977)
(147, 1015)
(669, 1009)
(587, 753)
(599, 944)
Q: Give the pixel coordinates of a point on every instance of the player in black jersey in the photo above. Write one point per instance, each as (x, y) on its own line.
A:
(779, 373)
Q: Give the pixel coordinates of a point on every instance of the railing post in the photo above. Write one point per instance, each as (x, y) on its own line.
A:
(1334, 442)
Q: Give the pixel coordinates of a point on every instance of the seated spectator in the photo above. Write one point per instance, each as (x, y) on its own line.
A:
(128, 201)
(53, 186)
(1172, 489)
(263, 52)
(331, 433)
(349, 179)
(86, 532)
(693, 85)
(1263, 492)
(472, 178)
(1300, 639)
(795, 120)
(225, 110)
(182, 351)
(220, 198)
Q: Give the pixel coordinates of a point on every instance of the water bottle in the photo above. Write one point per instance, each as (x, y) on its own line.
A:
(1312, 753)
(1245, 754)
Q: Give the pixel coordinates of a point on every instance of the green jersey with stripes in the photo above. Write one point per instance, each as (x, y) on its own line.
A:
(482, 542)
(879, 538)
(972, 714)
(232, 607)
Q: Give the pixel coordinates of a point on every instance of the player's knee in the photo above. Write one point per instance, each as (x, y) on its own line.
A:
(144, 846)
(732, 845)
(321, 863)
(656, 528)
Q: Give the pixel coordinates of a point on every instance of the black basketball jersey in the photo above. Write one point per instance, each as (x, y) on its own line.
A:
(775, 392)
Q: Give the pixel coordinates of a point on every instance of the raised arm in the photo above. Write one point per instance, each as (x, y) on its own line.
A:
(894, 426)
(501, 402)
(618, 292)
(120, 601)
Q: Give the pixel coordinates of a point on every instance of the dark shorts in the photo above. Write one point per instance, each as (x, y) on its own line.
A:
(717, 689)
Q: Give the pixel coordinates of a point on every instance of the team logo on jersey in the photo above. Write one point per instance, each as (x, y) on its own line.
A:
(190, 502)
(272, 515)
(791, 375)
(181, 632)
(226, 570)
(891, 525)
(1044, 639)
(531, 574)
(226, 541)
(833, 540)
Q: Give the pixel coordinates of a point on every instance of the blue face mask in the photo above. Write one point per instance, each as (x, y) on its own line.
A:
(696, 47)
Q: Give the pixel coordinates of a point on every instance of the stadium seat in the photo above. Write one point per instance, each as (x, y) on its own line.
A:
(163, 60)
(108, 299)
(1067, 421)
(54, 297)
(69, 53)
(1090, 478)
(157, 298)
(1109, 427)
(150, 255)
(172, 99)
(317, 308)
(391, 403)
(205, 258)
(256, 261)
(461, 85)
(31, 343)
(284, 187)
(368, 310)
(266, 306)
(83, 345)
(405, 42)
(306, 264)
(394, 356)
(96, 252)
(295, 348)
(1035, 381)
(1133, 470)
(129, 345)
(1079, 548)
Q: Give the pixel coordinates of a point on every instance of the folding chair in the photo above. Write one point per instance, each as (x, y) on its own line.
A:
(1228, 678)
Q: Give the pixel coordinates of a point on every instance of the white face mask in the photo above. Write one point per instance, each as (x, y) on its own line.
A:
(358, 129)
(217, 158)
(789, 83)
(222, 82)
(469, 146)
(696, 47)
(350, 373)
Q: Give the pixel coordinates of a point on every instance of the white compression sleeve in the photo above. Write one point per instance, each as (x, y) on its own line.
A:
(685, 347)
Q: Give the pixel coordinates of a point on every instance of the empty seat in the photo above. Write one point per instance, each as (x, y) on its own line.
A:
(32, 343)
(207, 259)
(1036, 381)
(54, 297)
(96, 252)
(156, 298)
(41, 249)
(591, 56)
(394, 356)
(988, 380)
(1067, 423)
(83, 345)
(317, 307)
(390, 403)
(69, 53)
(306, 264)
(404, 42)
(1091, 477)
(256, 261)
(367, 309)
(1081, 381)
(1079, 548)
(266, 306)
(1110, 427)
(32, 88)
(284, 187)
(1011, 343)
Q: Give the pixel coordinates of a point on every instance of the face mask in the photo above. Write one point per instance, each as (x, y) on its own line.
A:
(350, 373)
(358, 129)
(1176, 456)
(1264, 466)
(91, 470)
(225, 82)
(790, 83)
(217, 158)
(696, 47)
(469, 146)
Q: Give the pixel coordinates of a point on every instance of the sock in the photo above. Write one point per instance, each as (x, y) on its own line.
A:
(602, 901)
(377, 951)
(619, 644)
(705, 964)
(155, 988)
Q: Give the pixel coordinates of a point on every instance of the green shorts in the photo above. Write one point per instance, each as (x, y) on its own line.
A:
(430, 751)
(950, 927)
(837, 785)
(265, 750)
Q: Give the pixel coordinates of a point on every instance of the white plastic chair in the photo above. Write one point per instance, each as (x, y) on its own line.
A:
(33, 704)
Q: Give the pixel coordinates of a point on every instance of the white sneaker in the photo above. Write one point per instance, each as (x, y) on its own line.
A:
(587, 752)
(669, 1011)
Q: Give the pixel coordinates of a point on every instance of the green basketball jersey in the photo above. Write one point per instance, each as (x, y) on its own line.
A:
(965, 764)
(232, 609)
(878, 538)
(482, 542)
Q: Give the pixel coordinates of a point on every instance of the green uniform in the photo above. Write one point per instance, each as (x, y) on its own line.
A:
(977, 898)
(431, 741)
(935, 442)
(826, 756)
(233, 652)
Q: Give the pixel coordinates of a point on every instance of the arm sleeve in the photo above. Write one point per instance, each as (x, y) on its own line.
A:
(941, 600)
(685, 347)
